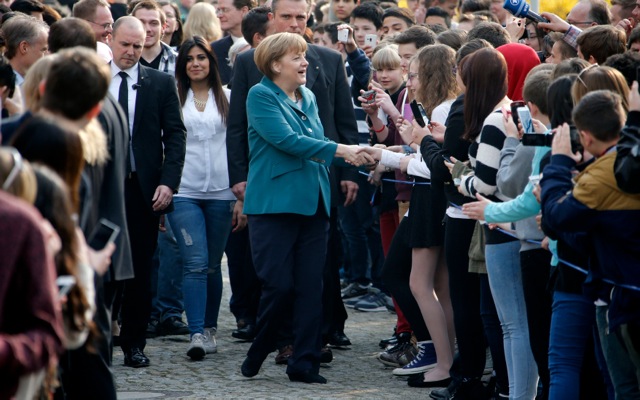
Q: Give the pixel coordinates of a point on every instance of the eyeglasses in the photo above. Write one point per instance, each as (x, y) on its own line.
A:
(585, 70)
(15, 170)
(108, 25)
(412, 76)
(579, 22)
(222, 10)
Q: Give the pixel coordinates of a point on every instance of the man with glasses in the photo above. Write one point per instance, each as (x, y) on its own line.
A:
(230, 13)
(585, 14)
(98, 14)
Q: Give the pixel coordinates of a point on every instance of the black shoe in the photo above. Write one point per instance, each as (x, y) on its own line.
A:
(417, 380)
(250, 367)
(246, 333)
(173, 326)
(466, 388)
(135, 358)
(306, 377)
(339, 339)
(152, 329)
(402, 337)
(326, 355)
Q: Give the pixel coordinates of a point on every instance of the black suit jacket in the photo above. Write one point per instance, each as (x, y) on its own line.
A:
(327, 79)
(111, 201)
(159, 135)
(221, 49)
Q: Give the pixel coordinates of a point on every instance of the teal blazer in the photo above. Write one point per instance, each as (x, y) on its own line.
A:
(289, 156)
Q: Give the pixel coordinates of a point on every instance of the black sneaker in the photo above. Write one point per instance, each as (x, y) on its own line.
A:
(152, 329)
(462, 388)
(173, 326)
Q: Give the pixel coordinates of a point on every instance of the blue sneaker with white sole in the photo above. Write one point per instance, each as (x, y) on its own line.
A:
(423, 361)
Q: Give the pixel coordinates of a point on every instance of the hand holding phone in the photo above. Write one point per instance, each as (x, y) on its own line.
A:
(103, 234)
(525, 119)
(369, 96)
(419, 114)
(514, 110)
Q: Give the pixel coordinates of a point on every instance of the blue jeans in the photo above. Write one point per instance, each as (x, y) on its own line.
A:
(166, 278)
(505, 280)
(572, 323)
(202, 228)
(621, 368)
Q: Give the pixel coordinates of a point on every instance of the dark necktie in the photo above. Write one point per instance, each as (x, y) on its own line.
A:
(123, 95)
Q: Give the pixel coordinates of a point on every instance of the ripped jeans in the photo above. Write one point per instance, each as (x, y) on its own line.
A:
(201, 228)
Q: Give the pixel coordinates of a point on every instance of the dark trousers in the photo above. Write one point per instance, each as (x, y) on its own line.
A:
(464, 288)
(136, 296)
(289, 256)
(536, 268)
(395, 276)
(245, 287)
(334, 315)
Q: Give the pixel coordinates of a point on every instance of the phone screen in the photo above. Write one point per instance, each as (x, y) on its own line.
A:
(525, 119)
(419, 114)
(514, 110)
(104, 233)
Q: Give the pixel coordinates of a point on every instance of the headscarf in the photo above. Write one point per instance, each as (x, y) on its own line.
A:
(520, 60)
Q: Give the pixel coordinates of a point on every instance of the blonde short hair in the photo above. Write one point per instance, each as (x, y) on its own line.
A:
(23, 185)
(386, 58)
(202, 21)
(274, 47)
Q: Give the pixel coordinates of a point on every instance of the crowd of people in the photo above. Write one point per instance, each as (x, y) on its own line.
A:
(475, 173)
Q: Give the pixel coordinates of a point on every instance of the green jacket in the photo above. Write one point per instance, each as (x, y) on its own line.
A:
(289, 156)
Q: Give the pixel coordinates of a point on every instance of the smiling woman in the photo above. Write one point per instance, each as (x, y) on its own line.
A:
(289, 227)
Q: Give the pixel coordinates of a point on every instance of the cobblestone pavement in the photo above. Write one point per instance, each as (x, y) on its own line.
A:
(355, 373)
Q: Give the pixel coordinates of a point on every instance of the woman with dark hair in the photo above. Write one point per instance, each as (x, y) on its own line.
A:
(205, 205)
(485, 77)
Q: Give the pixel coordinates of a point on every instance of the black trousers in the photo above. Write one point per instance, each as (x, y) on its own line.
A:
(334, 315)
(245, 287)
(396, 272)
(536, 269)
(289, 256)
(136, 295)
(464, 288)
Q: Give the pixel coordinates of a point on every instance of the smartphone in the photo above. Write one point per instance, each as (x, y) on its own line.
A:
(419, 114)
(514, 110)
(343, 35)
(371, 40)
(369, 96)
(525, 119)
(447, 159)
(65, 284)
(537, 140)
(103, 234)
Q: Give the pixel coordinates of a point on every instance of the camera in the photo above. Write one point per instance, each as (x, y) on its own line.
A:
(542, 140)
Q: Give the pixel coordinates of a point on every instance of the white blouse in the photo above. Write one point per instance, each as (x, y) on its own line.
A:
(205, 174)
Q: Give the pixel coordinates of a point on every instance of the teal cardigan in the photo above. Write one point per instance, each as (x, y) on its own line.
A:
(289, 156)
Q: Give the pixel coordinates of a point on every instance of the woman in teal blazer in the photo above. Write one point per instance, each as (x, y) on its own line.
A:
(287, 202)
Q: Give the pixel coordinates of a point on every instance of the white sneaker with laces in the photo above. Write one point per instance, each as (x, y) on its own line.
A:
(196, 350)
(210, 343)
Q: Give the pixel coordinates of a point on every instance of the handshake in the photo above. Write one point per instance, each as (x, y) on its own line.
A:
(354, 155)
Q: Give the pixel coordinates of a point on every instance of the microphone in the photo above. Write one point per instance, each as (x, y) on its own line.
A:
(136, 86)
(521, 9)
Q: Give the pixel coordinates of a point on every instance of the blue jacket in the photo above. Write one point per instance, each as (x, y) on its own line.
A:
(289, 156)
(609, 216)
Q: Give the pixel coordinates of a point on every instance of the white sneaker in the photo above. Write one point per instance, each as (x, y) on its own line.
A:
(210, 344)
(196, 348)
